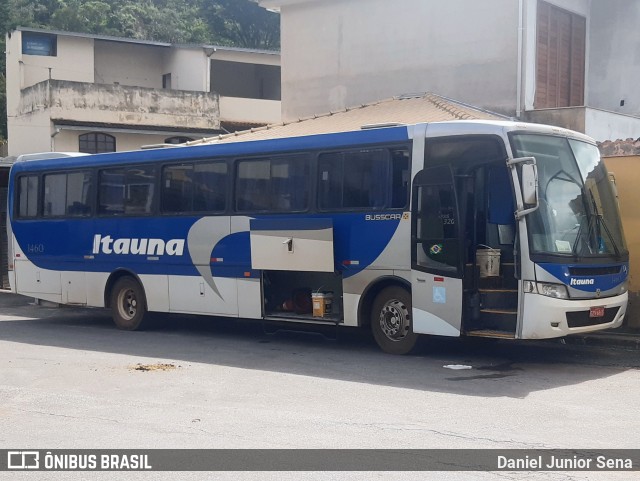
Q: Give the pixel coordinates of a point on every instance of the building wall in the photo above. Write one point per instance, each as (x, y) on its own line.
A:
(340, 53)
(47, 102)
(627, 173)
(74, 61)
(30, 133)
(615, 48)
(188, 69)
(67, 140)
(129, 64)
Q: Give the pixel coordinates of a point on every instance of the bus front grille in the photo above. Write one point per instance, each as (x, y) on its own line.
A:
(582, 318)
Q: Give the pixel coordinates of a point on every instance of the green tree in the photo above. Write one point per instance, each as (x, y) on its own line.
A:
(243, 23)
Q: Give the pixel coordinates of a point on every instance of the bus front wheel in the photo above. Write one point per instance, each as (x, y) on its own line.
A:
(391, 321)
(128, 304)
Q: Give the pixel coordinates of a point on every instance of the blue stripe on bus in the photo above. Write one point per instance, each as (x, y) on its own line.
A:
(68, 245)
(603, 283)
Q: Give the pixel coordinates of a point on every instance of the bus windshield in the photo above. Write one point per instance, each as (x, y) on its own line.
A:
(578, 214)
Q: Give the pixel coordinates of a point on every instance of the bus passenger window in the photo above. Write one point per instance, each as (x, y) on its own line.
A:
(353, 180)
(28, 196)
(55, 193)
(140, 186)
(278, 185)
(399, 178)
(252, 183)
(67, 195)
(127, 191)
(210, 187)
(177, 188)
(78, 194)
(111, 192)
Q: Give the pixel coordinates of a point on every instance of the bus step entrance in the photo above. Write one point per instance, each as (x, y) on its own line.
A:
(494, 304)
(491, 333)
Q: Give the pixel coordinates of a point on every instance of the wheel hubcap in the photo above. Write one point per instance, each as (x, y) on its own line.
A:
(127, 304)
(395, 320)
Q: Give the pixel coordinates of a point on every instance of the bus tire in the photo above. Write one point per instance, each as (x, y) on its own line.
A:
(128, 304)
(391, 321)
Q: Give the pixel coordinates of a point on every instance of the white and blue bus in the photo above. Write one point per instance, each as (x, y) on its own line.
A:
(481, 228)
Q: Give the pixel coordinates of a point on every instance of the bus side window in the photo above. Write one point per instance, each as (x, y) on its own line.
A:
(279, 184)
(67, 195)
(210, 187)
(28, 196)
(353, 180)
(140, 190)
(111, 191)
(252, 182)
(399, 178)
(78, 194)
(177, 188)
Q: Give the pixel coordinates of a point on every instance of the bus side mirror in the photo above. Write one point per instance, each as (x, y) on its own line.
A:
(529, 184)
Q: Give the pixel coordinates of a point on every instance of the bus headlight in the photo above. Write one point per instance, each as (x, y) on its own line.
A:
(558, 291)
(624, 287)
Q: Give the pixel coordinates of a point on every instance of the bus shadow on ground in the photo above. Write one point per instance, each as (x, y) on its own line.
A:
(474, 367)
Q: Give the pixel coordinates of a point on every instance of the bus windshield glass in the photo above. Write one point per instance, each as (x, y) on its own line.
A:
(578, 213)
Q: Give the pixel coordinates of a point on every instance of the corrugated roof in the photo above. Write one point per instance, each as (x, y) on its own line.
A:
(406, 109)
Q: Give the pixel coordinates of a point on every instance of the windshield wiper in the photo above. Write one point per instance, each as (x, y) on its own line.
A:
(601, 222)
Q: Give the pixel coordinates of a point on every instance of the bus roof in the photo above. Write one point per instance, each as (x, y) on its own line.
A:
(242, 147)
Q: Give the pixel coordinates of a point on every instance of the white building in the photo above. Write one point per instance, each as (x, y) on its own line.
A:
(572, 63)
(76, 92)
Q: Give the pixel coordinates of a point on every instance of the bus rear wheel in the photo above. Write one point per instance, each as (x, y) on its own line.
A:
(391, 321)
(128, 304)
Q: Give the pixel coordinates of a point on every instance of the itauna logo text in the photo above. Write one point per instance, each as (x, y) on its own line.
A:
(149, 247)
(582, 282)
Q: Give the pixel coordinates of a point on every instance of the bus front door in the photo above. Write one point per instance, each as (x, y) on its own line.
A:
(436, 253)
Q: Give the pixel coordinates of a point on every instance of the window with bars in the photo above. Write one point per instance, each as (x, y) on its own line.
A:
(96, 143)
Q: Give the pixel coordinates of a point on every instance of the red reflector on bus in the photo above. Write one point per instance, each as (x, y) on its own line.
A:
(17, 255)
(351, 263)
(247, 274)
(438, 279)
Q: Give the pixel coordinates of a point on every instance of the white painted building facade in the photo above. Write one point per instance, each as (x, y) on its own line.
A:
(569, 62)
(77, 92)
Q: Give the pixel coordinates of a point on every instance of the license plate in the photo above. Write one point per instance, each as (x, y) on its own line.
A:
(596, 312)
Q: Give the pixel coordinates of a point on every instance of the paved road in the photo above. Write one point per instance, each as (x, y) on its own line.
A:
(69, 379)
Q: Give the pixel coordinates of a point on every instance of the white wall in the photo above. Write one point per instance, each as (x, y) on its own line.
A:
(67, 140)
(188, 69)
(74, 61)
(340, 53)
(30, 133)
(602, 125)
(614, 68)
(129, 64)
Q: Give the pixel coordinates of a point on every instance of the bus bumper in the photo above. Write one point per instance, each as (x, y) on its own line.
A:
(545, 317)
